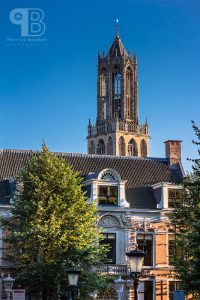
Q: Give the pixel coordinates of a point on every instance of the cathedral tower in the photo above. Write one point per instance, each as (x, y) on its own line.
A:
(117, 130)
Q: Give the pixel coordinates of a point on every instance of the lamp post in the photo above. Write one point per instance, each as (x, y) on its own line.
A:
(119, 285)
(73, 276)
(8, 282)
(1, 284)
(58, 292)
(129, 283)
(136, 258)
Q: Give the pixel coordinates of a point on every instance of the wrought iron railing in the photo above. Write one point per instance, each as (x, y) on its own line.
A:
(114, 269)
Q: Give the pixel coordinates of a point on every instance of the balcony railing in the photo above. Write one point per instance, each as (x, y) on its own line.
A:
(114, 269)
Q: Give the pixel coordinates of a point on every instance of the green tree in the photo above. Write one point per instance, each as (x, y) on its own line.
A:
(52, 225)
(187, 222)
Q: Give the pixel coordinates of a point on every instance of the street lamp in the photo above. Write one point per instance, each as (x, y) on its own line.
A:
(73, 276)
(119, 285)
(136, 258)
(8, 282)
(129, 283)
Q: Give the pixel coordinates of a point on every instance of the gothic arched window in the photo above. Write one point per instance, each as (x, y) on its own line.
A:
(143, 148)
(92, 148)
(118, 78)
(129, 81)
(103, 83)
(122, 146)
(132, 148)
(101, 147)
(110, 146)
(102, 93)
(116, 89)
(129, 92)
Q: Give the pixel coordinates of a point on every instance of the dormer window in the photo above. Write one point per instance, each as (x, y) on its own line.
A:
(108, 195)
(107, 187)
(175, 197)
(167, 195)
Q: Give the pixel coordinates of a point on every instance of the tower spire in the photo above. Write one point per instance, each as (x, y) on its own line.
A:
(117, 130)
(117, 27)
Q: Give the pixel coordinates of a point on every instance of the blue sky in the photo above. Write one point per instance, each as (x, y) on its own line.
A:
(48, 90)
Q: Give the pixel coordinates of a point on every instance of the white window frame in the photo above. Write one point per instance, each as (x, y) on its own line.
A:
(169, 233)
(153, 248)
(165, 186)
(115, 181)
(154, 287)
(173, 188)
(105, 183)
(168, 281)
(107, 231)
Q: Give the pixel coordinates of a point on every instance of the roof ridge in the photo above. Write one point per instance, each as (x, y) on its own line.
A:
(75, 154)
(16, 150)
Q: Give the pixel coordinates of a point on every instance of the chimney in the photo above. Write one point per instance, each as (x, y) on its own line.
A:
(173, 151)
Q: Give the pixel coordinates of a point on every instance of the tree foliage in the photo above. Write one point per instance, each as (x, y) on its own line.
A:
(52, 226)
(187, 222)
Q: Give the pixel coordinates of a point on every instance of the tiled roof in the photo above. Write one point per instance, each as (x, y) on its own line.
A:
(140, 173)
